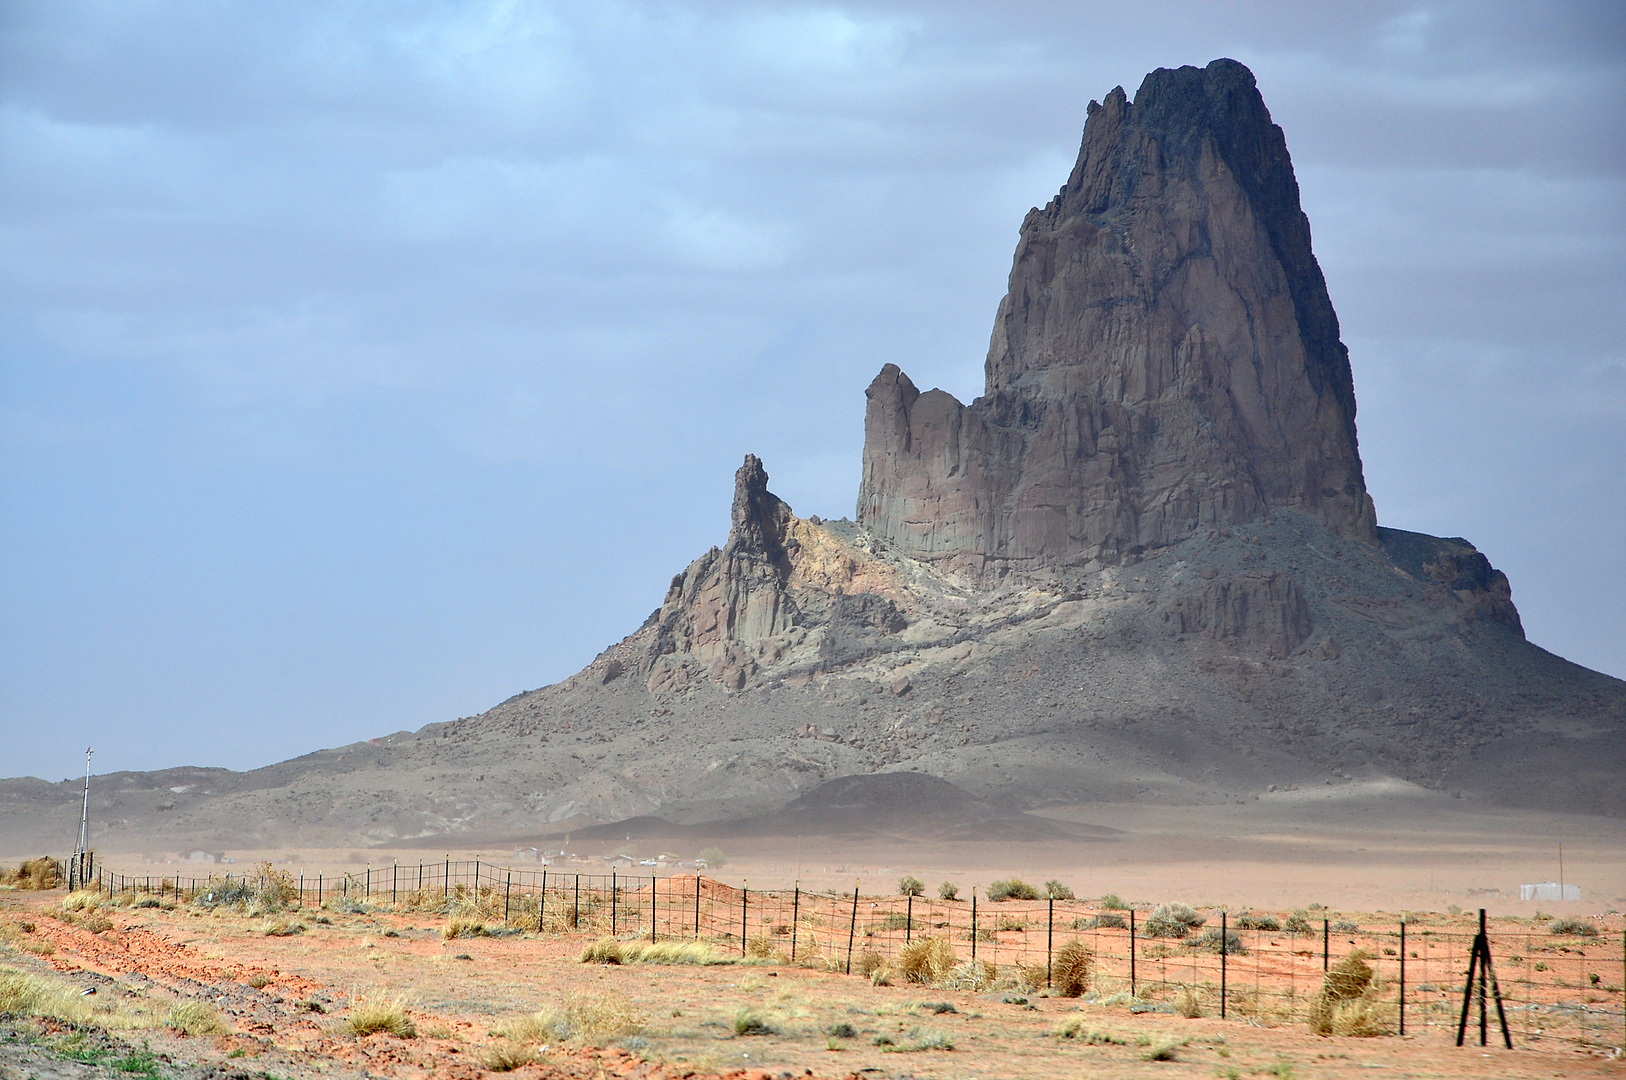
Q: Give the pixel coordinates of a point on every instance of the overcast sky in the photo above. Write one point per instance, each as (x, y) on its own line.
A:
(365, 364)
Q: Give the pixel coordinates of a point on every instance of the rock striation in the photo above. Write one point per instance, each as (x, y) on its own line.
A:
(1166, 357)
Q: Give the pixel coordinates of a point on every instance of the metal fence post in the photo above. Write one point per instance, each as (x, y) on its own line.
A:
(652, 909)
(908, 916)
(576, 911)
(507, 890)
(1049, 938)
(1132, 992)
(612, 903)
(744, 892)
(395, 883)
(1225, 948)
(542, 901)
(852, 931)
(1326, 939)
(973, 924)
(446, 880)
(697, 907)
(1402, 975)
(795, 908)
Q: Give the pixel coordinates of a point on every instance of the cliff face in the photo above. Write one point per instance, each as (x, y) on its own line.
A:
(1166, 357)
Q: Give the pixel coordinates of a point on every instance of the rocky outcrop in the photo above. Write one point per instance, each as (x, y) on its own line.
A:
(1260, 615)
(1166, 357)
(1460, 569)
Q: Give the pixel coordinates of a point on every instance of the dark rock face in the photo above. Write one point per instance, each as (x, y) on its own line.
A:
(1458, 567)
(1166, 357)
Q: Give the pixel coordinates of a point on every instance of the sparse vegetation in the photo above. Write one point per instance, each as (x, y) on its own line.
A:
(1573, 927)
(608, 950)
(1074, 1027)
(195, 1018)
(1187, 1005)
(1297, 923)
(1055, 890)
(1113, 902)
(948, 891)
(505, 1056)
(1162, 1050)
(1011, 889)
(1247, 920)
(972, 977)
(909, 885)
(1212, 940)
(1103, 921)
(375, 1012)
(1070, 970)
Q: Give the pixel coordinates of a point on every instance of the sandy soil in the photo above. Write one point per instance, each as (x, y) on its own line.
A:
(462, 990)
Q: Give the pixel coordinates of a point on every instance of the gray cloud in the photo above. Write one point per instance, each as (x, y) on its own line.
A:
(366, 365)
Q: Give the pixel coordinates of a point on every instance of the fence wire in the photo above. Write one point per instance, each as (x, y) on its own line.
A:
(1268, 971)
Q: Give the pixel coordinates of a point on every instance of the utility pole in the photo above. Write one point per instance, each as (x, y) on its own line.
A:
(76, 872)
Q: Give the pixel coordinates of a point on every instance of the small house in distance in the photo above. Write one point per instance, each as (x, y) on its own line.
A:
(526, 854)
(200, 856)
(1549, 890)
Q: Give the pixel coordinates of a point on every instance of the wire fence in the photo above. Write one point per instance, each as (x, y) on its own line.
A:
(1261, 967)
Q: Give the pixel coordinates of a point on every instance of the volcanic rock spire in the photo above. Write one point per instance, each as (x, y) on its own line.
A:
(1166, 357)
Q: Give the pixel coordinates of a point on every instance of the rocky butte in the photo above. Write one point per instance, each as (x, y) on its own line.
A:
(1143, 565)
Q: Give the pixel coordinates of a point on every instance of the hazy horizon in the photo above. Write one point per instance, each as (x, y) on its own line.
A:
(366, 367)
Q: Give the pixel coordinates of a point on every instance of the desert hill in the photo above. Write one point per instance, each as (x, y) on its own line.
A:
(1142, 566)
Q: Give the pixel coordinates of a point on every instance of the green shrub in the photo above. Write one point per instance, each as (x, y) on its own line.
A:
(1113, 902)
(1172, 921)
(948, 891)
(1574, 927)
(909, 885)
(1247, 920)
(1011, 889)
(1055, 890)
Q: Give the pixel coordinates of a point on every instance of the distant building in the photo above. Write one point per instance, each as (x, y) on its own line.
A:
(1549, 890)
(200, 856)
(526, 854)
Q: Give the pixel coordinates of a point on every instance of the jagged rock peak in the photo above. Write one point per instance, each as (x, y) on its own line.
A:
(759, 516)
(1166, 357)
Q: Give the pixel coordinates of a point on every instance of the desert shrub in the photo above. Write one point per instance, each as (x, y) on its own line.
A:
(868, 962)
(24, 994)
(1343, 926)
(1211, 940)
(1113, 902)
(926, 960)
(1011, 889)
(1029, 977)
(1162, 1050)
(748, 1022)
(267, 889)
(1172, 921)
(918, 1040)
(714, 857)
(148, 902)
(948, 891)
(1055, 890)
(1573, 927)
(1010, 922)
(96, 923)
(1247, 920)
(456, 928)
(195, 1018)
(909, 885)
(843, 1030)
(282, 928)
(505, 1056)
(896, 920)
(377, 1012)
(40, 873)
(1187, 1005)
(972, 976)
(1103, 921)
(1070, 970)
(1348, 1003)
(1297, 923)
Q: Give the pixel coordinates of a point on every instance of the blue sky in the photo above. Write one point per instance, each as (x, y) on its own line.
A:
(364, 364)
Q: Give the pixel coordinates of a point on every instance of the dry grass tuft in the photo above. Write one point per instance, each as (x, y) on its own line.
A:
(591, 1019)
(1573, 927)
(195, 1018)
(972, 977)
(1070, 971)
(1187, 1004)
(867, 963)
(1074, 1028)
(83, 900)
(1349, 1002)
(40, 873)
(282, 928)
(460, 927)
(26, 994)
(926, 960)
(608, 950)
(377, 1012)
(505, 1057)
